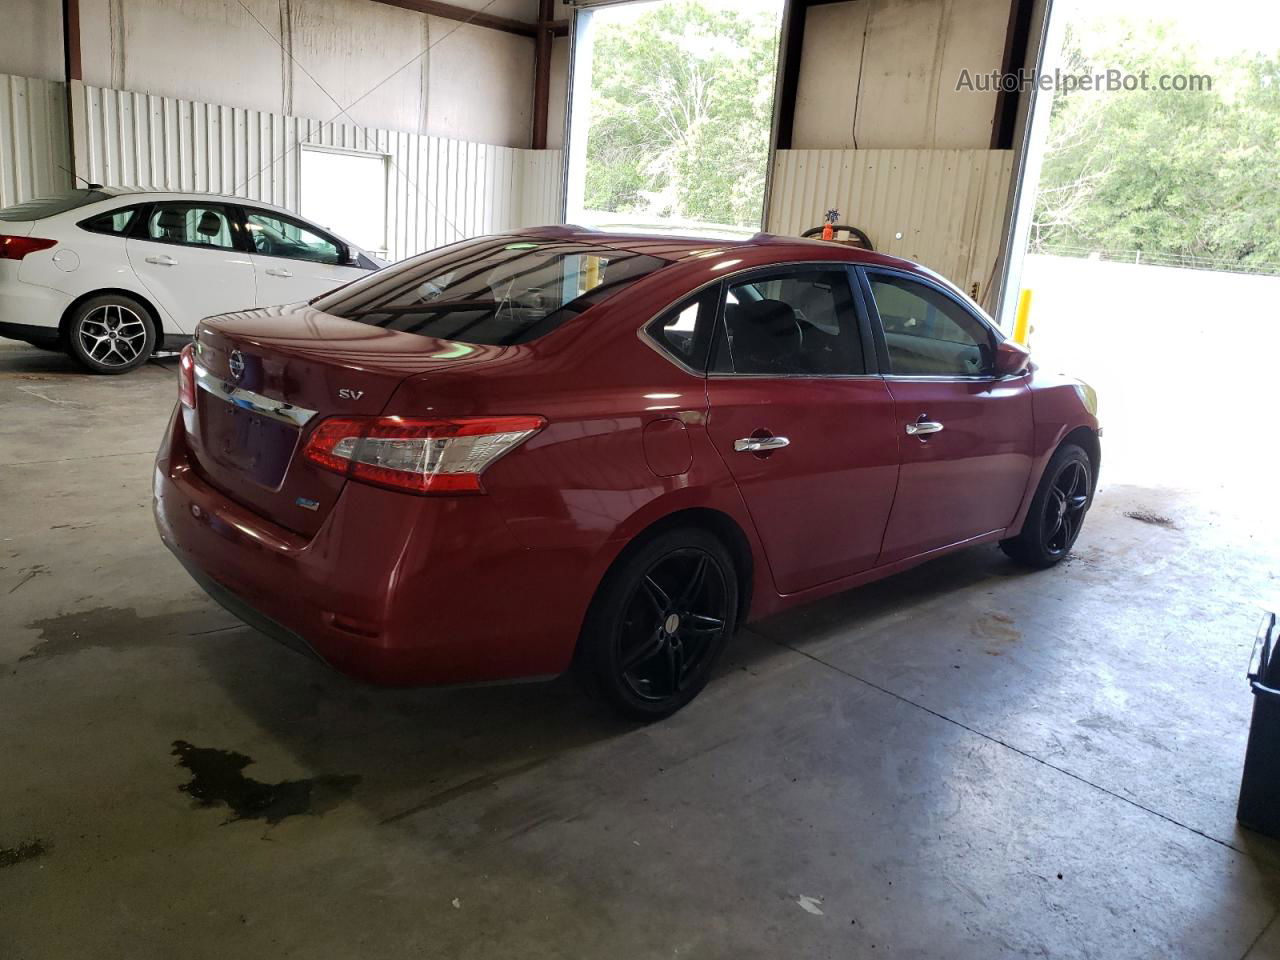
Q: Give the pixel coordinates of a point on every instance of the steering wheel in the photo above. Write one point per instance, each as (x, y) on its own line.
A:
(856, 238)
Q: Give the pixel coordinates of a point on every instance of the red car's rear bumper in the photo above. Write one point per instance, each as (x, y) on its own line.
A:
(394, 589)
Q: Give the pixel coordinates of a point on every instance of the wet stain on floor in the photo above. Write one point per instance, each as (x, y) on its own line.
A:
(217, 778)
(28, 850)
(114, 628)
(1146, 516)
(997, 627)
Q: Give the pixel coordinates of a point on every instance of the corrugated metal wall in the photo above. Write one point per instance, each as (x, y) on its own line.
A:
(540, 200)
(948, 205)
(439, 190)
(33, 139)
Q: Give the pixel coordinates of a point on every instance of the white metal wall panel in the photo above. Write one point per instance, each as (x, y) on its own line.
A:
(34, 157)
(948, 205)
(439, 190)
(543, 174)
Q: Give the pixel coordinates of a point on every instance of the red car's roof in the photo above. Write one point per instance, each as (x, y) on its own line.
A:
(759, 250)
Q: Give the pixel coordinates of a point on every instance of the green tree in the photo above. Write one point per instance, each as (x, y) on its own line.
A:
(680, 114)
(1182, 172)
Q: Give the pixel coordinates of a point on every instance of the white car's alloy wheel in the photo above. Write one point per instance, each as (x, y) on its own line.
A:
(113, 335)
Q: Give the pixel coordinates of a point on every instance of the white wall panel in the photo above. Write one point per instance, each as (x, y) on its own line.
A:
(540, 192)
(440, 190)
(33, 139)
(948, 205)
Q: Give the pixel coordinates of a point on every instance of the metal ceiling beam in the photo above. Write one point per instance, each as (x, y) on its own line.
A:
(449, 11)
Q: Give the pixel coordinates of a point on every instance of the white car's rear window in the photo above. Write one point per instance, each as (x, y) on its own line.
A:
(50, 206)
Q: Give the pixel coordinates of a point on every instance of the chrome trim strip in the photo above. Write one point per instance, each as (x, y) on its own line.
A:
(248, 400)
(794, 376)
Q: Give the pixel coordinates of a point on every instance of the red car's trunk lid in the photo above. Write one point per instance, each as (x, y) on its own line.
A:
(265, 378)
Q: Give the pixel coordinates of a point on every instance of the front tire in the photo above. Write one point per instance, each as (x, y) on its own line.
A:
(111, 334)
(659, 622)
(1057, 510)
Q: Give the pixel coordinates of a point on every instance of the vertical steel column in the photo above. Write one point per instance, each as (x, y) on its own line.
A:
(77, 124)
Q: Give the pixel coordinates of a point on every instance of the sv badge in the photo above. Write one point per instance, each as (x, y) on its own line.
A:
(345, 393)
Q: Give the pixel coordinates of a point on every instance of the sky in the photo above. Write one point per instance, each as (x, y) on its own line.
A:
(1219, 28)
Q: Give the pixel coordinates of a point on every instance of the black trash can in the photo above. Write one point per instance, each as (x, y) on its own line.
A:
(1259, 807)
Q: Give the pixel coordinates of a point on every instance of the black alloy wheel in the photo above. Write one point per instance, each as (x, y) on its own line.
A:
(1057, 510)
(675, 620)
(658, 623)
(1065, 506)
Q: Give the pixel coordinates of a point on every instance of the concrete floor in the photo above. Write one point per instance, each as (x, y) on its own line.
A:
(965, 761)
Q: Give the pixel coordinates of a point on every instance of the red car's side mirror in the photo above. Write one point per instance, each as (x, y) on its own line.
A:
(1011, 359)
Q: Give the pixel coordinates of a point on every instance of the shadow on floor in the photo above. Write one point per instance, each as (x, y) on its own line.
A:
(416, 749)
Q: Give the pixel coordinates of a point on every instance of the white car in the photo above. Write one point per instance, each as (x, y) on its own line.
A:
(112, 275)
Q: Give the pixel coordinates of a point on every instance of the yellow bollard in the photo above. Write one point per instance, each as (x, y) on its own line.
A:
(1022, 319)
(591, 278)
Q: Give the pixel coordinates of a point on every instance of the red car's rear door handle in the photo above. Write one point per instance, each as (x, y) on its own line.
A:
(759, 444)
(923, 427)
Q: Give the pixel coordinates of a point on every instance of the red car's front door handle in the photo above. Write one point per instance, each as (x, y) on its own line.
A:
(922, 428)
(759, 444)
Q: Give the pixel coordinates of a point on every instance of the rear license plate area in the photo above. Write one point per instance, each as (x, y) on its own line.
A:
(249, 443)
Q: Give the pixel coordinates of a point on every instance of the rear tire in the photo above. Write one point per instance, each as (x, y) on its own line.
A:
(1057, 510)
(110, 334)
(658, 623)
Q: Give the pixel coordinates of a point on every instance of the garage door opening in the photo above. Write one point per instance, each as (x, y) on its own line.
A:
(1152, 232)
(672, 110)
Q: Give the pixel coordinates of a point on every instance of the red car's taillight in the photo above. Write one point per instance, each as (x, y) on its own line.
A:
(419, 456)
(187, 377)
(15, 248)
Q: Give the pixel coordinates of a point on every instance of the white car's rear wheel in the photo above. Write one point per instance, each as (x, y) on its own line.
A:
(111, 333)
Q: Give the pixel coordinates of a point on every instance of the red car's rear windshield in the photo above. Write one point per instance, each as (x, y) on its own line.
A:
(495, 290)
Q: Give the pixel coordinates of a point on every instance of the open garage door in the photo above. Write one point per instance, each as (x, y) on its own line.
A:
(672, 105)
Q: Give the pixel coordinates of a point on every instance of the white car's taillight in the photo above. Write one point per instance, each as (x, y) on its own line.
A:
(15, 248)
(416, 455)
(187, 377)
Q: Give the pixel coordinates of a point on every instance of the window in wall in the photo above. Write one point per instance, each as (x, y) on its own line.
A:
(347, 193)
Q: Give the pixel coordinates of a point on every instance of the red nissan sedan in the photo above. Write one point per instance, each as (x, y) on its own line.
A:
(560, 447)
